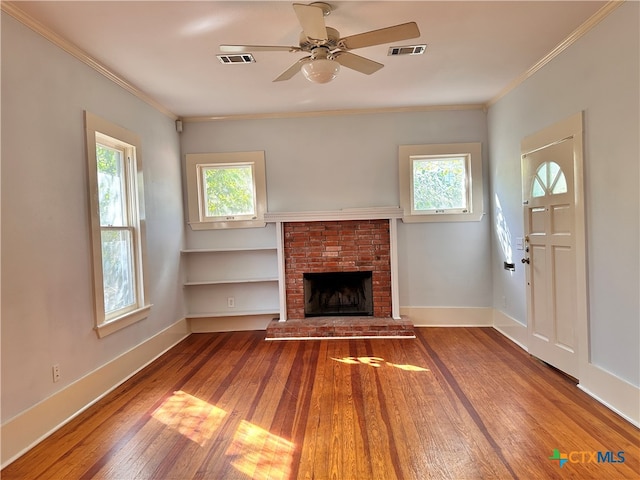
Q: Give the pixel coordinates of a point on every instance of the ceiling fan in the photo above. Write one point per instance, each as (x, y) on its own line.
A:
(328, 51)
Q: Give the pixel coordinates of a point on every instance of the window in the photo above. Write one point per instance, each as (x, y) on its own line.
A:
(226, 190)
(549, 180)
(441, 183)
(117, 225)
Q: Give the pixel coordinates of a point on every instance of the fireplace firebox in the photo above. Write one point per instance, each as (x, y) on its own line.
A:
(338, 294)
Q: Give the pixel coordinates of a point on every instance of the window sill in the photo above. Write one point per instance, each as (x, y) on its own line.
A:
(443, 217)
(232, 224)
(123, 321)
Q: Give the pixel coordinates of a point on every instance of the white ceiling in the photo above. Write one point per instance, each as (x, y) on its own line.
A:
(167, 49)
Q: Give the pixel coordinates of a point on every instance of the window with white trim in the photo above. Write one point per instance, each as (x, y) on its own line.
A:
(226, 190)
(441, 182)
(117, 225)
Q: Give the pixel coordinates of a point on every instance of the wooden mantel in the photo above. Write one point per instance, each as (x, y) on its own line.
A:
(367, 213)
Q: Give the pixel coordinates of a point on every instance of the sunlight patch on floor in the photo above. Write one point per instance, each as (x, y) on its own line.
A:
(260, 454)
(378, 362)
(188, 415)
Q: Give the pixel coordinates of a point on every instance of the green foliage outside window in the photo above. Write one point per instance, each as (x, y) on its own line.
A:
(439, 184)
(110, 185)
(229, 191)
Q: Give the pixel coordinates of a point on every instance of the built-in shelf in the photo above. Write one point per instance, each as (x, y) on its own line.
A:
(231, 281)
(223, 282)
(227, 250)
(235, 313)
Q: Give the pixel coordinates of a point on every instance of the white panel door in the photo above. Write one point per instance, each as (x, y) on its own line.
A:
(550, 258)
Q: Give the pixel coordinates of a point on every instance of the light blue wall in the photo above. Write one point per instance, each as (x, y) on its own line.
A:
(345, 161)
(46, 260)
(600, 76)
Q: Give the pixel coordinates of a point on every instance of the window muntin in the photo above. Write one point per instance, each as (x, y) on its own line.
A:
(440, 184)
(226, 190)
(548, 180)
(117, 226)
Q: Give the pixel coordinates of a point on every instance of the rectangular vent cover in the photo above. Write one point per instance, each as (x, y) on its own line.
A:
(407, 50)
(236, 58)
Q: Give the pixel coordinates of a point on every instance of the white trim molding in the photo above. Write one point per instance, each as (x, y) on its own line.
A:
(30, 427)
(334, 113)
(372, 213)
(510, 328)
(474, 189)
(613, 392)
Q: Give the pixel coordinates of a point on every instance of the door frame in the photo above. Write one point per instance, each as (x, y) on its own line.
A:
(571, 127)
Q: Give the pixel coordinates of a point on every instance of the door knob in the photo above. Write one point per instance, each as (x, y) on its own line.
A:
(525, 260)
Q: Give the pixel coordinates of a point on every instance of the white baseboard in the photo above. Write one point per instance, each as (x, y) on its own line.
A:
(613, 392)
(230, 324)
(510, 328)
(449, 316)
(38, 422)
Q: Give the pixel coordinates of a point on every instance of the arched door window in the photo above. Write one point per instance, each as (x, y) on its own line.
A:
(549, 180)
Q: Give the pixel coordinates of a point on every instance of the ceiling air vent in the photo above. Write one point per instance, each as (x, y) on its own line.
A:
(407, 50)
(236, 58)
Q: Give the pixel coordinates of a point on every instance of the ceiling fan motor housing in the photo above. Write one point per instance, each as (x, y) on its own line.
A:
(307, 44)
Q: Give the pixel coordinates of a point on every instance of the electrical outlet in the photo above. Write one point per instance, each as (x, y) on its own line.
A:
(231, 302)
(56, 372)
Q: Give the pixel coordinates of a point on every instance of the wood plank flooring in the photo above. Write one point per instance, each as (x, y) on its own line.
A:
(453, 403)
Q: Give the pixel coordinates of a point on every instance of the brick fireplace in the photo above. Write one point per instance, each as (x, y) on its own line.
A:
(337, 246)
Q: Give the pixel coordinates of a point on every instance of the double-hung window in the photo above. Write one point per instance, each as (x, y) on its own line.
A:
(442, 182)
(226, 190)
(117, 225)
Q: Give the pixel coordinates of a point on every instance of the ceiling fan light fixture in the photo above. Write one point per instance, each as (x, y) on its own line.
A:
(321, 70)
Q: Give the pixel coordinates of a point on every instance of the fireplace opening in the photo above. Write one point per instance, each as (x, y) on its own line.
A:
(338, 294)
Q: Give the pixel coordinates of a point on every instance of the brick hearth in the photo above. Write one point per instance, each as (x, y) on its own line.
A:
(340, 327)
(337, 246)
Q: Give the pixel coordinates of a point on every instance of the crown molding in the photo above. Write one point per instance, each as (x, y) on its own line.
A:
(561, 47)
(333, 113)
(16, 12)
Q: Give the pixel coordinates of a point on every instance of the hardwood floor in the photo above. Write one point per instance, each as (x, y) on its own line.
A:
(453, 403)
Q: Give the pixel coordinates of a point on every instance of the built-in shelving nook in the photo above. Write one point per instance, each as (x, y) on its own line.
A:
(229, 287)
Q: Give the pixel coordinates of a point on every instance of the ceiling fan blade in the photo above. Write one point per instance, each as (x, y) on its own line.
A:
(292, 70)
(257, 48)
(311, 19)
(356, 62)
(396, 33)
